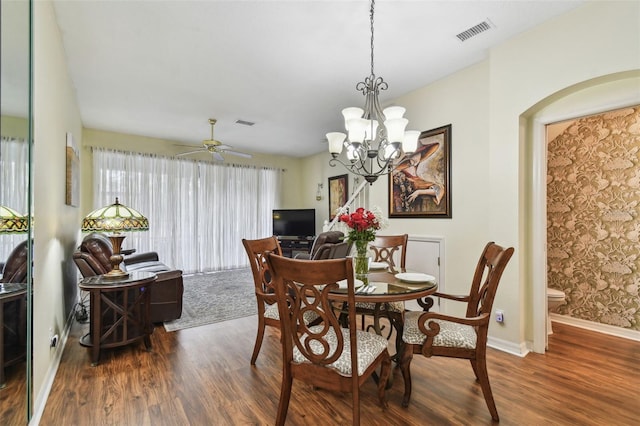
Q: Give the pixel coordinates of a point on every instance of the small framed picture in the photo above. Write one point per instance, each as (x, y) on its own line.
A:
(338, 193)
(420, 183)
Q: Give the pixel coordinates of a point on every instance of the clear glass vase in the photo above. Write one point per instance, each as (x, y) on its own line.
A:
(361, 262)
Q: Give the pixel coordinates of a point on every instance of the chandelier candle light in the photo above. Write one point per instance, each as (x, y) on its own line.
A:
(115, 218)
(364, 225)
(371, 148)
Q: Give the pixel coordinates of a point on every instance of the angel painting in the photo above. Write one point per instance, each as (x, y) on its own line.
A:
(419, 183)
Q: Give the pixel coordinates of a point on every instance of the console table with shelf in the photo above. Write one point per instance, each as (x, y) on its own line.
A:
(293, 245)
(119, 311)
(13, 325)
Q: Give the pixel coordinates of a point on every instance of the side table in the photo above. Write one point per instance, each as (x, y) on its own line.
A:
(119, 311)
(13, 331)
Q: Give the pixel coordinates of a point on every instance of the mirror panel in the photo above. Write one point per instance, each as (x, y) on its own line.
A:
(15, 192)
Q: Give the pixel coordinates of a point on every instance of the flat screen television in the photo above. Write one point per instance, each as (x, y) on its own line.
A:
(294, 223)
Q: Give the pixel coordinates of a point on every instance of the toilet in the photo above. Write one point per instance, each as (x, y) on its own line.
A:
(555, 298)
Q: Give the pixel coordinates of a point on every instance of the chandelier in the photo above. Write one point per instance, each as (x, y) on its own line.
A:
(370, 148)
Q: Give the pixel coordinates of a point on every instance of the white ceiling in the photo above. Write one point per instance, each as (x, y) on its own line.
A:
(163, 68)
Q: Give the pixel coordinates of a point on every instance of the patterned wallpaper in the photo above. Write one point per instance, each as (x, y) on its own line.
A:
(593, 216)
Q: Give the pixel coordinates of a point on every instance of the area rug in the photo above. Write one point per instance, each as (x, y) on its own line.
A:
(215, 297)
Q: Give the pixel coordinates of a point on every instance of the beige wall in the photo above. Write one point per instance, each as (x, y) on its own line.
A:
(56, 224)
(15, 127)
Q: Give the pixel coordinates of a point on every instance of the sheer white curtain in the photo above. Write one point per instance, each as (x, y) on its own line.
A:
(198, 212)
(14, 181)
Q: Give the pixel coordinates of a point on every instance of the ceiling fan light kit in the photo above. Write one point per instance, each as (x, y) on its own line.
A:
(216, 148)
(370, 148)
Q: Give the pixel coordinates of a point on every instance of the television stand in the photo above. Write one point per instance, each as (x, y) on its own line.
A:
(293, 245)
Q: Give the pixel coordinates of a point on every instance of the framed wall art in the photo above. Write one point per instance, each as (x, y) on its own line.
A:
(72, 178)
(420, 183)
(338, 193)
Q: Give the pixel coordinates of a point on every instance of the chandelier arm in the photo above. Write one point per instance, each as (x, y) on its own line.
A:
(349, 165)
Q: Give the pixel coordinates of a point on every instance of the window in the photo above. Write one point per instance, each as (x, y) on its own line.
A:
(198, 212)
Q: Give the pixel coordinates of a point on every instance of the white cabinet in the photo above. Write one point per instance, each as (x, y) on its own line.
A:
(426, 254)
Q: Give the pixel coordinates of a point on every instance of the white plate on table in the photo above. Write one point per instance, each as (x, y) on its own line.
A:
(374, 266)
(415, 277)
(356, 283)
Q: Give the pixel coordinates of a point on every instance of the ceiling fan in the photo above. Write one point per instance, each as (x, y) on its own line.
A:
(216, 148)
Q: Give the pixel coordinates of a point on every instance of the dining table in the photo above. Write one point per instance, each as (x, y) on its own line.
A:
(385, 286)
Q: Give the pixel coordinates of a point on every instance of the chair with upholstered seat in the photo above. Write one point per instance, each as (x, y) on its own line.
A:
(326, 356)
(265, 296)
(93, 258)
(385, 248)
(328, 245)
(14, 269)
(437, 334)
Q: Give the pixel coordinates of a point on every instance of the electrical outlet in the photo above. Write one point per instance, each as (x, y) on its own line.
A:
(499, 316)
(53, 338)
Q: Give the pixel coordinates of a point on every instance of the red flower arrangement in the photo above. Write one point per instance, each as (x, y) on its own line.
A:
(363, 224)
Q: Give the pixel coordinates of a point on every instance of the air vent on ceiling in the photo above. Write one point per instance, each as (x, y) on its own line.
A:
(245, 123)
(475, 30)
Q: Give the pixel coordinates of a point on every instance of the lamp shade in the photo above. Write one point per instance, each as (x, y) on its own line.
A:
(410, 142)
(336, 141)
(12, 222)
(115, 218)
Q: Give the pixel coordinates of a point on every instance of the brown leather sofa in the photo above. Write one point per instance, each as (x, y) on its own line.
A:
(92, 258)
(328, 245)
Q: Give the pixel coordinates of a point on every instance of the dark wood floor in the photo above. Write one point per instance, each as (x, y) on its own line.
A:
(202, 376)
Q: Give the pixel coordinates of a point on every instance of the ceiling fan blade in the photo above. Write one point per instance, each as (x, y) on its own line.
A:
(190, 152)
(217, 156)
(239, 154)
(224, 147)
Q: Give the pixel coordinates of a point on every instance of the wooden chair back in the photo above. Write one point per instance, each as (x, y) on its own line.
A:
(302, 286)
(384, 248)
(257, 251)
(486, 278)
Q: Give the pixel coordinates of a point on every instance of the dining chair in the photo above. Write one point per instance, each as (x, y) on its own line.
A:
(268, 314)
(326, 355)
(265, 296)
(384, 248)
(437, 334)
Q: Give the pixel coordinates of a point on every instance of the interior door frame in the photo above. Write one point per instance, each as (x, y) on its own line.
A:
(594, 102)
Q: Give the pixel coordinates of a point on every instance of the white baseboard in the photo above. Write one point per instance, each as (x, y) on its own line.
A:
(520, 349)
(596, 326)
(41, 400)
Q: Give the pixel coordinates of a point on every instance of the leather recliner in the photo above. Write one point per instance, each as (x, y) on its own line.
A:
(92, 258)
(328, 245)
(14, 269)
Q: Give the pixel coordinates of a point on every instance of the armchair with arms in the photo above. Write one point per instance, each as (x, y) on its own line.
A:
(328, 245)
(437, 334)
(14, 270)
(92, 258)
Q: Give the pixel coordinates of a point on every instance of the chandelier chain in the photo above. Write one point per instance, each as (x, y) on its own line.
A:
(373, 3)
